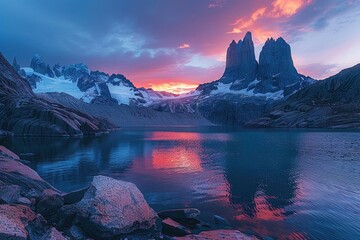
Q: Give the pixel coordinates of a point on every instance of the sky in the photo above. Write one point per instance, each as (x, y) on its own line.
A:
(174, 45)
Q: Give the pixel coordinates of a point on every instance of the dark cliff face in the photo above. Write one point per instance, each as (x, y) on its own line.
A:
(23, 113)
(330, 103)
(276, 68)
(241, 64)
(11, 83)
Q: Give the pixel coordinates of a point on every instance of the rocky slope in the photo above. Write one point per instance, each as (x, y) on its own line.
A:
(330, 103)
(24, 113)
(128, 116)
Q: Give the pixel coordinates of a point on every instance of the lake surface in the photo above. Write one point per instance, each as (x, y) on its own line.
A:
(282, 184)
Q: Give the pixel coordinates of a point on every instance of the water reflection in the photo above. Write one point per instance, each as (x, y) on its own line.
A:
(279, 184)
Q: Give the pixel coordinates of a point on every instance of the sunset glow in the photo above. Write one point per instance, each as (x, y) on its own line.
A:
(187, 48)
(177, 88)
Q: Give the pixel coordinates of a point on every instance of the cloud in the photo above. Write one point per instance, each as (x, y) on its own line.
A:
(287, 7)
(216, 3)
(184, 45)
(318, 70)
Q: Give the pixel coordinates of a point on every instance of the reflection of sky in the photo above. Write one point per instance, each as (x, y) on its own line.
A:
(288, 185)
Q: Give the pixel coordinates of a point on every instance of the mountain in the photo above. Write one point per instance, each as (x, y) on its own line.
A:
(247, 89)
(330, 103)
(89, 86)
(275, 71)
(24, 113)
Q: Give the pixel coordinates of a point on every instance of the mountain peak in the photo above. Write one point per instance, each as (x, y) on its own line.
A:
(240, 62)
(276, 67)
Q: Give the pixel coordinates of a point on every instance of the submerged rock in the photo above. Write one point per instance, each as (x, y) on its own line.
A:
(180, 213)
(173, 228)
(217, 235)
(111, 207)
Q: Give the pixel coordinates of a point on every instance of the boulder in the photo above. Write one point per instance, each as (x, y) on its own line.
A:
(218, 235)
(180, 213)
(13, 172)
(50, 202)
(53, 234)
(74, 196)
(14, 221)
(75, 233)
(9, 194)
(7, 153)
(221, 221)
(112, 207)
(24, 201)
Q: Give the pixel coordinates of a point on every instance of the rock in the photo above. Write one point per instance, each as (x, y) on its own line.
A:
(75, 233)
(218, 235)
(52, 234)
(111, 207)
(13, 172)
(180, 213)
(9, 194)
(14, 221)
(7, 153)
(116, 79)
(74, 197)
(50, 202)
(75, 71)
(172, 228)
(24, 201)
(66, 217)
(57, 69)
(221, 221)
(15, 65)
(38, 65)
(33, 80)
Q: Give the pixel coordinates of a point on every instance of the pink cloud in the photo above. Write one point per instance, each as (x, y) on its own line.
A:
(184, 45)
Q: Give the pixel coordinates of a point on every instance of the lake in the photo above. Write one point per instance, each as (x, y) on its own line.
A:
(283, 184)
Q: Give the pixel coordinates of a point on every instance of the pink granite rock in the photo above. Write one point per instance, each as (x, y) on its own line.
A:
(112, 207)
(14, 220)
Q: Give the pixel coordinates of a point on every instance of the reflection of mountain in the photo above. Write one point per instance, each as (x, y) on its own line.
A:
(261, 176)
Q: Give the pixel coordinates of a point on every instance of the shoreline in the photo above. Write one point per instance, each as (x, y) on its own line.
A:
(30, 208)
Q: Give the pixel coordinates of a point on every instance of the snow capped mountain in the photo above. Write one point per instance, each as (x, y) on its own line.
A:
(80, 82)
(246, 90)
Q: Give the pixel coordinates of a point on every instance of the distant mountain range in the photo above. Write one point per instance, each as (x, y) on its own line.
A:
(268, 93)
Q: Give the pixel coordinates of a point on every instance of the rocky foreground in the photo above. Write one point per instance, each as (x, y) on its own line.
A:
(30, 208)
